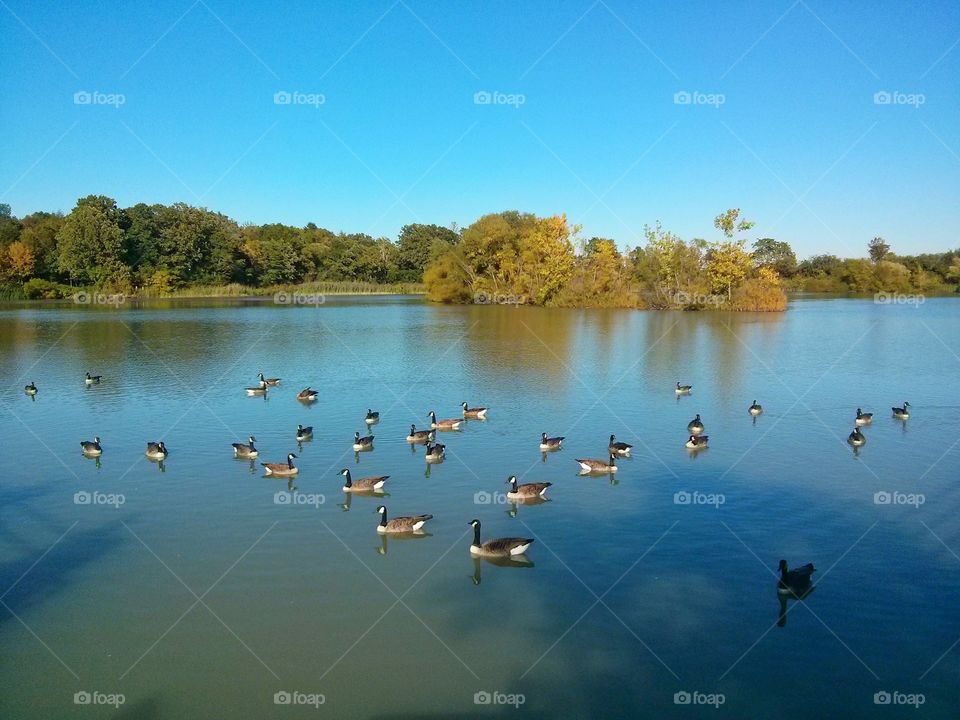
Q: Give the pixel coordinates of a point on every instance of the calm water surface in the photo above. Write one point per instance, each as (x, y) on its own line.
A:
(205, 593)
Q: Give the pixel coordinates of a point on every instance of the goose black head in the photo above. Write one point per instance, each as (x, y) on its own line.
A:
(782, 567)
(463, 405)
(356, 435)
(543, 436)
(512, 480)
(345, 471)
(474, 523)
(252, 439)
(381, 510)
(612, 438)
(290, 456)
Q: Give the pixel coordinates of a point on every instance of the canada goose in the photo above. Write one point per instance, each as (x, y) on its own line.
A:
(695, 442)
(403, 524)
(553, 443)
(260, 389)
(695, 426)
(31, 389)
(372, 417)
(599, 466)
(281, 469)
(435, 452)
(475, 412)
(268, 381)
(864, 418)
(157, 450)
(618, 448)
(420, 436)
(683, 389)
(367, 484)
(500, 546)
(902, 412)
(307, 395)
(794, 582)
(91, 448)
(856, 438)
(246, 451)
(755, 409)
(362, 443)
(450, 424)
(304, 433)
(526, 491)
(93, 379)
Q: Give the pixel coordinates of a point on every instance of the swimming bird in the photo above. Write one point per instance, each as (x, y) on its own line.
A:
(618, 448)
(527, 491)
(31, 389)
(268, 381)
(402, 524)
(450, 424)
(856, 438)
(282, 469)
(362, 443)
(696, 442)
(304, 433)
(420, 436)
(552, 443)
(794, 582)
(683, 389)
(91, 448)
(260, 389)
(435, 452)
(695, 426)
(367, 484)
(157, 450)
(307, 395)
(246, 451)
(372, 417)
(93, 379)
(902, 412)
(473, 412)
(598, 466)
(500, 547)
(863, 418)
(755, 409)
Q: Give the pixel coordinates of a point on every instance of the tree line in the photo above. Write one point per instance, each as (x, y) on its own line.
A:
(502, 257)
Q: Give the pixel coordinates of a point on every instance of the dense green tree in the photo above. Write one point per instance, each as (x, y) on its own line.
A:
(9, 226)
(90, 243)
(775, 254)
(39, 233)
(419, 245)
(879, 249)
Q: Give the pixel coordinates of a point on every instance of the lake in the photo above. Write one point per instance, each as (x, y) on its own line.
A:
(200, 588)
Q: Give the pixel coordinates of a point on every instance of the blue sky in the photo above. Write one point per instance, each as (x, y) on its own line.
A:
(782, 122)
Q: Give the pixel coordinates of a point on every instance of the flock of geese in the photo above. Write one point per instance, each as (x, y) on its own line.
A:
(795, 583)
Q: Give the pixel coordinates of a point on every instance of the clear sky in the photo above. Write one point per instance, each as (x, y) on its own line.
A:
(782, 120)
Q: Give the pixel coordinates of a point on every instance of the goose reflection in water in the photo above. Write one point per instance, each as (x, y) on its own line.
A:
(803, 595)
(514, 505)
(515, 561)
(385, 539)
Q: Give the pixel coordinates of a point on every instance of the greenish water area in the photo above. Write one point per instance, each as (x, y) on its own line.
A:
(201, 588)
